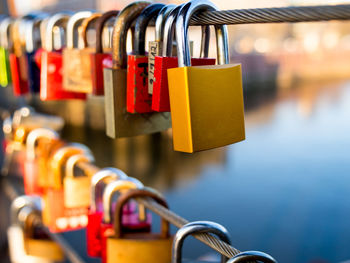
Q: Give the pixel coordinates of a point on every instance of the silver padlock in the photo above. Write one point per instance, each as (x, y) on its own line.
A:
(198, 227)
(251, 256)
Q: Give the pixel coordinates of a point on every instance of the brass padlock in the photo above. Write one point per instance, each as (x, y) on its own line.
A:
(252, 256)
(138, 247)
(119, 123)
(206, 101)
(198, 227)
(77, 188)
(36, 242)
(72, 68)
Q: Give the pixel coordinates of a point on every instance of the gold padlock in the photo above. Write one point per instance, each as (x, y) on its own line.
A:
(206, 101)
(77, 188)
(36, 242)
(119, 123)
(138, 247)
(72, 68)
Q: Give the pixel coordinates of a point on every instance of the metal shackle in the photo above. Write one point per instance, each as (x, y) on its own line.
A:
(182, 23)
(100, 23)
(120, 30)
(32, 138)
(114, 187)
(141, 24)
(59, 19)
(169, 30)
(72, 25)
(198, 227)
(251, 256)
(31, 27)
(5, 29)
(74, 159)
(28, 217)
(22, 201)
(108, 173)
(159, 24)
(83, 29)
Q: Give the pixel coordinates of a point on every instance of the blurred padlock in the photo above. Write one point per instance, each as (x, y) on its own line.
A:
(99, 55)
(155, 47)
(51, 80)
(160, 98)
(6, 47)
(118, 187)
(137, 98)
(93, 229)
(72, 56)
(119, 123)
(252, 256)
(198, 227)
(55, 215)
(77, 188)
(206, 101)
(32, 169)
(138, 247)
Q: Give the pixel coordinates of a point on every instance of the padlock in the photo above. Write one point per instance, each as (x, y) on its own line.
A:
(73, 73)
(198, 227)
(55, 215)
(119, 123)
(131, 222)
(137, 98)
(51, 63)
(155, 47)
(252, 256)
(37, 243)
(93, 229)
(32, 170)
(6, 47)
(206, 101)
(99, 55)
(33, 43)
(77, 188)
(160, 96)
(138, 247)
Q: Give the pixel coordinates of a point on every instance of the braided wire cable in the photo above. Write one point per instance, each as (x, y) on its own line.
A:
(292, 14)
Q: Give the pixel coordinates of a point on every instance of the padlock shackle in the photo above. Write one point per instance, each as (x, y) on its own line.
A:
(83, 28)
(73, 160)
(251, 256)
(59, 19)
(111, 189)
(60, 158)
(198, 227)
(159, 24)
(182, 24)
(72, 25)
(141, 25)
(32, 138)
(31, 25)
(28, 217)
(106, 174)
(100, 23)
(19, 202)
(124, 198)
(121, 26)
(5, 32)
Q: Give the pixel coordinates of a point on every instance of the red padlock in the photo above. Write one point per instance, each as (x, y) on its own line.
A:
(32, 168)
(137, 98)
(160, 97)
(98, 57)
(139, 223)
(51, 79)
(93, 229)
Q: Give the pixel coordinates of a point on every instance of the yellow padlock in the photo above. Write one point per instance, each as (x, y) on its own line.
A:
(138, 247)
(206, 101)
(77, 188)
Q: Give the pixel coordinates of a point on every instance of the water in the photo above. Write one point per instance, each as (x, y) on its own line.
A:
(282, 191)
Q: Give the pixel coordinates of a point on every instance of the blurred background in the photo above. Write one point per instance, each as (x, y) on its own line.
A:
(284, 190)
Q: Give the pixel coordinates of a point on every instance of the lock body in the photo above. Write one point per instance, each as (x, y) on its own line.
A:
(206, 106)
(31, 178)
(33, 73)
(19, 83)
(138, 100)
(52, 80)
(160, 98)
(97, 72)
(5, 72)
(77, 191)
